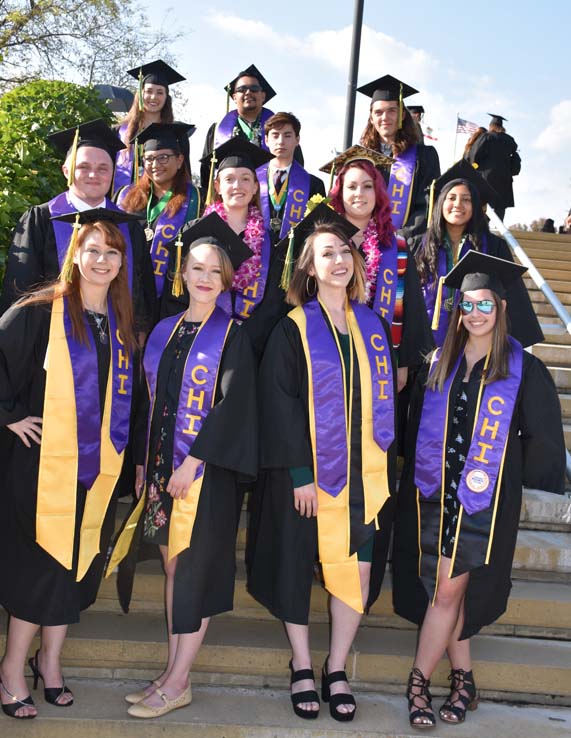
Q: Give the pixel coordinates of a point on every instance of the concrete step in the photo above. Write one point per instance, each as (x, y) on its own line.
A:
(561, 377)
(567, 434)
(109, 646)
(537, 296)
(553, 354)
(544, 510)
(99, 711)
(543, 552)
(552, 268)
(565, 400)
(555, 332)
(559, 286)
(544, 310)
(553, 255)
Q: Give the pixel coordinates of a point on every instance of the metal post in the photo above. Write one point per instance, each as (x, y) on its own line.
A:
(353, 73)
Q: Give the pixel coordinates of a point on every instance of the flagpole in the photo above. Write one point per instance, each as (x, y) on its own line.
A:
(456, 138)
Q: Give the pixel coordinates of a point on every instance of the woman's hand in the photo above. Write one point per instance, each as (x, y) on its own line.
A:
(183, 477)
(402, 376)
(139, 480)
(28, 428)
(305, 500)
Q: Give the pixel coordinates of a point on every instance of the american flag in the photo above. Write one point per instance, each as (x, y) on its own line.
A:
(466, 126)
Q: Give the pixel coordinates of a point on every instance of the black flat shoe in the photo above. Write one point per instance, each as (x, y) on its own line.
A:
(310, 695)
(336, 700)
(16, 704)
(51, 694)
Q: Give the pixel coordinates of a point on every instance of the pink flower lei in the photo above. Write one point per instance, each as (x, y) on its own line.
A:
(249, 270)
(371, 251)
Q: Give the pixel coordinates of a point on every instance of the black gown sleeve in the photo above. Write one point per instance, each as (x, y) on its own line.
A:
(541, 429)
(417, 339)
(427, 169)
(316, 186)
(144, 291)
(205, 166)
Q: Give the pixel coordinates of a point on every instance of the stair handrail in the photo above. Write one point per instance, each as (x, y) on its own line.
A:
(524, 259)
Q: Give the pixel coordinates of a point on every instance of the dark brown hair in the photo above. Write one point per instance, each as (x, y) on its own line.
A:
(138, 195)
(405, 136)
(279, 120)
(472, 140)
(135, 117)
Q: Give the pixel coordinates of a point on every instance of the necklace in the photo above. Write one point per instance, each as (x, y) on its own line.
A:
(101, 324)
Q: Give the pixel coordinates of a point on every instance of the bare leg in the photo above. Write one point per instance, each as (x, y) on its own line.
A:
(344, 625)
(460, 658)
(298, 636)
(52, 640)
(20, 636)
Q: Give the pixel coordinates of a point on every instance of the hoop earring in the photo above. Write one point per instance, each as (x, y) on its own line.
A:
(310, 294)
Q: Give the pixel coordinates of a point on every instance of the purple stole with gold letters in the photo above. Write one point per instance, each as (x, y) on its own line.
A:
(400, 185)
(484, 461)
(225, 129)
(387, 281)
(296, 200)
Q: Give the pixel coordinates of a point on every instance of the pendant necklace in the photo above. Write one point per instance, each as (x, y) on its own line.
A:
(101, 324)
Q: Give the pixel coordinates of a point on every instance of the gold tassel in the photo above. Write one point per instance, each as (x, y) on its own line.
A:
(136, 160)
(177, 284)
(438, 305)
(71, 175)
(210, 193)
(227, 99)
(331, 178)
(400, 107)
(140, 91)
(66, 274)
(288, 264)
(431, 201)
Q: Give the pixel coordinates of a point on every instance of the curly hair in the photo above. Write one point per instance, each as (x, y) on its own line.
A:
(405, 136)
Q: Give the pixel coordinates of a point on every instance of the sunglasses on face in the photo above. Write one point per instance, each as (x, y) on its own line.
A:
(244, 88)
(484, 306)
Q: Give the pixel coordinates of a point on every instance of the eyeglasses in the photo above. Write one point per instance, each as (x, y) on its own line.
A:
(160, 159)
(484, 306)
(244, 88)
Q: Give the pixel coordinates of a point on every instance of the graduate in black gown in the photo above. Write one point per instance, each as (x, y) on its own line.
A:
(484, 420)
(37, 248)
(327, 371)
(458, 224)
(391, 130)
(201, 441)
(66, 380)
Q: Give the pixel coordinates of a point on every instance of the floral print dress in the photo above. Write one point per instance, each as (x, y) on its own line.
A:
(160, 461)
(458, 445)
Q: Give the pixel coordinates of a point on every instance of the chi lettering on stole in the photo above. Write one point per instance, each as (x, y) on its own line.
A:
(161, 256)
(381, 364)
(122, 363)
(397, 196)
(491, 429)
(386, 292)
(252, 291)
(195, 398)
(295, 212)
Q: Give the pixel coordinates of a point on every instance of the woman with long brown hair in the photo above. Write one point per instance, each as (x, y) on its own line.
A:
(152, 104)
(57, 345)
(484, 420)
(391, 130)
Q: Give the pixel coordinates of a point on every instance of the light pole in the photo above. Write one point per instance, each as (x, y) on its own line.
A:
(353, 72)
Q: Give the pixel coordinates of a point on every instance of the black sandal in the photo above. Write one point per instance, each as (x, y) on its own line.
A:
(309, 695)
(16, 705)
(461, 681)
(419, 682)
(336, 700)
(51, 694)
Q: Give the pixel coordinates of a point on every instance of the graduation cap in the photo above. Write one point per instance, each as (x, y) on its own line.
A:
(416, 109)
(156, 73)
(388, 88)
(356, 153)
(459, 173)
(164, 136)
(321, 214)
(497, 120)
(84, 217)
(252, 71)
(213, 230)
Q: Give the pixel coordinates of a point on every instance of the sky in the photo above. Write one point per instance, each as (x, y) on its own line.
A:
(466, 60)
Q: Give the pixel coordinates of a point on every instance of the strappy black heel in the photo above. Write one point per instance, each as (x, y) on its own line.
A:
(463, 696)
(336, 700)
(51, 694)
(309, 695)
(16, 705)
(421, 686)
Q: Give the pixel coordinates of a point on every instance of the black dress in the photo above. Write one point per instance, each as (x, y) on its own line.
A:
(35, 587)
(457, 447)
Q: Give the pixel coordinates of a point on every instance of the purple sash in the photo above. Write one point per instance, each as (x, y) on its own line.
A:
(85, 384)
(400, 185)
(246, 301)
(328, 384)
(123, 162)
(166, 228)
(296, 200)
(199, 380)
(63, 231)
(225, 129)
(491, 431)
(387, 282)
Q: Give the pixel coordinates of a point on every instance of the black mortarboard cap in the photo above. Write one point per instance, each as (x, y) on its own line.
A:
(212, 229)
(238, 152)
(357, 153)
(463, 170)
(416, 109)
(321, 213)
(164, 136)
(252, 71)
(95, 214)
(387, 88)
(95, 133)
(477, 271)
(157, 73)
(497, 119)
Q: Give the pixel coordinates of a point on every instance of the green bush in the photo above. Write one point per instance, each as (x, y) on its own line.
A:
(30, 168)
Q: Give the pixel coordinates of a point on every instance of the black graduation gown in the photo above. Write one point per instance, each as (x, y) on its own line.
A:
(35, 587)
(427, 169)
(497, 159)
(282, 545)
(535, 457)
(32, 259)
(523, 324)
(227, 443)
(416, 339)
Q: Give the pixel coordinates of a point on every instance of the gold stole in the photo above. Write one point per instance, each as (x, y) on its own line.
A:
(341, 570)
(57, 477)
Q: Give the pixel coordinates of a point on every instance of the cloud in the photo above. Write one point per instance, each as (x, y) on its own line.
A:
(252, 30)
(557, 136)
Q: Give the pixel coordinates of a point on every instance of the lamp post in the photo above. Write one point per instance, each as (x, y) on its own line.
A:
(353, 72)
